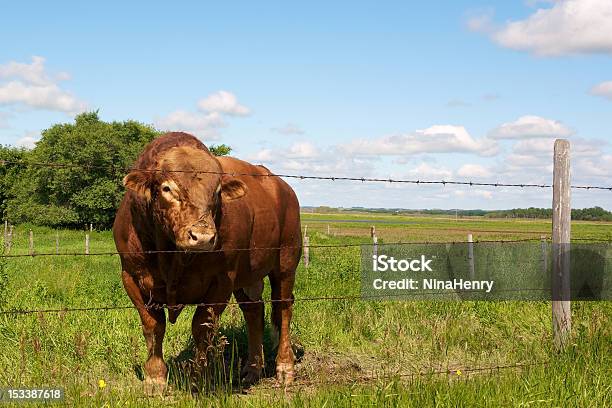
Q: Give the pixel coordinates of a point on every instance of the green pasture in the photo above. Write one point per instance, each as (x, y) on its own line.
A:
(351, 352)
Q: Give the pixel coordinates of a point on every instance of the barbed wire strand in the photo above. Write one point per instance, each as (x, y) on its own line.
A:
(300, 177)
(155, 306)
(320, 246)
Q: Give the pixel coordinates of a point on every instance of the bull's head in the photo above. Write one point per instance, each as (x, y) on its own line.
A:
(185, 203)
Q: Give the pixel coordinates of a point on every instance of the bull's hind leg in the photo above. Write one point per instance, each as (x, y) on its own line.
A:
(282, 282)
(153, 328)
(252, 307)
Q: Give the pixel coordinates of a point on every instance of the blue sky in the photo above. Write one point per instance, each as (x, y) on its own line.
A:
(463, 90)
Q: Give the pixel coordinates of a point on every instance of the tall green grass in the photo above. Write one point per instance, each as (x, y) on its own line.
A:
(351, 352)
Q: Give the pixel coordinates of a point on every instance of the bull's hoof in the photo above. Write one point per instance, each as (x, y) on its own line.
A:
(154, 386)
(285, 373)
(251, 374)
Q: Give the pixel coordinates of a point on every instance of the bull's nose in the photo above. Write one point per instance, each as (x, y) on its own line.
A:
(198, 238)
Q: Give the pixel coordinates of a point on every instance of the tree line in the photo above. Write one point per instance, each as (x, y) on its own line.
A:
(87, 186)
(584, 214)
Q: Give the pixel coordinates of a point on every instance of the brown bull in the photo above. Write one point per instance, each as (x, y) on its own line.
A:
(213, 226)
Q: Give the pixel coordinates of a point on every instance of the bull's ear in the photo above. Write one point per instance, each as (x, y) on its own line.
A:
(232, 188)
(139, 182)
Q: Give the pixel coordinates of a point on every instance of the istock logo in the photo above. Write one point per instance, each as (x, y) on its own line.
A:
(383, 263)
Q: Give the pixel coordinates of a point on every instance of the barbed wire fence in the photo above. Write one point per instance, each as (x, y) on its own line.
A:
(121, 169)
(560, 321)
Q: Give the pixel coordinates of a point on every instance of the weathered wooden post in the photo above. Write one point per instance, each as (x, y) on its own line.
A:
(31, 242)
(86, 244)
(306, 251)
(561, 235)
(544, 254)
(57, 242)
(10, 240)
(90, 227)
(328, 231)
(5, 232)
(374, 241)
(470, 241)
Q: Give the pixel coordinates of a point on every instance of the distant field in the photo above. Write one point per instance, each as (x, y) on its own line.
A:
(351, 352)
(438, 228)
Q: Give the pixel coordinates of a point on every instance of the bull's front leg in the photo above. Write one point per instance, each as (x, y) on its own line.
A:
(204, 324)
(153, 328)
(252, 307)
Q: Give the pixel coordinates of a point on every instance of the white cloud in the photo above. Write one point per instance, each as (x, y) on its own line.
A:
(28, 140)
(264, 155)
(473, 170)
(531, 126)
(288, 129)
(580, 147)
(30, 85)
(481, 22)
(428, 172)
(33, 73)
(203, 125)
(48, 97)
(603, 89)
(474, 192)
(599, 168)
(302, 150)
(307, 159)
(223, 102)
(568, 27)
(435, 139)
(530, 161)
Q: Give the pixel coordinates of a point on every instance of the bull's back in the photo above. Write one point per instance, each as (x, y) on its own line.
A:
(272, 203)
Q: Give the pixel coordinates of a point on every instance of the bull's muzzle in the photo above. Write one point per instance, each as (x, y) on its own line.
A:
(198, 239)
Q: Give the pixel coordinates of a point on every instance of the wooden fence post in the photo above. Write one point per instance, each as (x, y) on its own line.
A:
(544, 254)
(90, 227)
(86, 244)
(10, 240)
(561, 235)
(31, 242)
(375, 246)
(5, 231)
(306, 251)
(470, 241)
(328, 231)
(374, 241)
(57, 242)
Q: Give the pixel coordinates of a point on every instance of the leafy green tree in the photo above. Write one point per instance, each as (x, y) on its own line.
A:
(85, 185)
(584, 214)
(220, 150)
(9, 173)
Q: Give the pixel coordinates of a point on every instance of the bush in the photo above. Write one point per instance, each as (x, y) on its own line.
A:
(86, 187)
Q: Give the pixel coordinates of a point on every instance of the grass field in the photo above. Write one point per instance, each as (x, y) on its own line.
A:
(351, 353)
